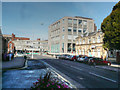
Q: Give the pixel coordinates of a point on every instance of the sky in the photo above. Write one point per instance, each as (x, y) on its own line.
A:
(31, 19)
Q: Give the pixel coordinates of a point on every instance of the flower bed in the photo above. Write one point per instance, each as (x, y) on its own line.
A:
(48, 82)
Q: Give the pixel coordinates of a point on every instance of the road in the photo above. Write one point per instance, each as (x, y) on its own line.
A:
(87, 76)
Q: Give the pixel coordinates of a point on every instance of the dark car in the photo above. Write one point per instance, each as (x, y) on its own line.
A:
(57, 56)
(98, 61)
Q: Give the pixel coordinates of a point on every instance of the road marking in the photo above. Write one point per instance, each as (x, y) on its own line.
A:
(72, 66)
(80, 78)
(102, 77)
(75, 67)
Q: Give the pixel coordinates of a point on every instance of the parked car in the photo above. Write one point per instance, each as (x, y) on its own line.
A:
(81, 59)
(98, 61)
(68, 57)
(73, 57)
(57, 56)
(87, 59)
(63, 56)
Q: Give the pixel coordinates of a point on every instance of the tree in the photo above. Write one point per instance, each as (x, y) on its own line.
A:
(111, 29)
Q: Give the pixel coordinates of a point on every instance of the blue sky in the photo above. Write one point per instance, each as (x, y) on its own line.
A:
(26, 18)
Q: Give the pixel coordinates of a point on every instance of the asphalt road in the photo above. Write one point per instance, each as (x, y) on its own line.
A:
(87, 76)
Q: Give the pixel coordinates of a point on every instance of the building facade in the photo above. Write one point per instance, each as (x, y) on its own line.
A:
(91, 44)
(44, 45)
(36, 46)
(0, 45)
(5, 41)
(62, 33)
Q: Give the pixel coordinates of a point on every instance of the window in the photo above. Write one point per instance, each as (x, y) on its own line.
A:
(83, 51)
(63, 47)
(79, 21)
(79, 31)
(93, 40)
(69, 30)
(63, 21)
(83, 41)
(75, 21)
(63, 29)
(89, 40)
(80, 41)
(69, 36)
(74, 29)
(74, 37)
(69, 20)
(62, 36)
(77, 42)
(84, 30)
(98, 39)
(84, 22)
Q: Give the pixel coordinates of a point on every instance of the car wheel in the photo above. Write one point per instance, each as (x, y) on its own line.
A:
(108, 64)
(73, 59)
(94, 64)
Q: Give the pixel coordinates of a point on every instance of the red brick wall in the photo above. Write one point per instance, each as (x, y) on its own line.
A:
(22, 38)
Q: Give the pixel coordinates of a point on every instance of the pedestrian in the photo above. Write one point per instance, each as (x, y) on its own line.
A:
(10, 56)
(25, 57)
(101, 57)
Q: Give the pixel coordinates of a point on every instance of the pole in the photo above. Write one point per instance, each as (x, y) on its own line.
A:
(32, 53)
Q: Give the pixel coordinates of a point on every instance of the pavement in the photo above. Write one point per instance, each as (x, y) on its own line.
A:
(17, 62)
(25, 77)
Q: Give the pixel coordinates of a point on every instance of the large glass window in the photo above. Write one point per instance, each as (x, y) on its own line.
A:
(63, 47)
(73, 47)
(69, 47)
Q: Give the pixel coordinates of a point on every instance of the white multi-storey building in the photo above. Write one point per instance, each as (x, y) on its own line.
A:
(62, 33)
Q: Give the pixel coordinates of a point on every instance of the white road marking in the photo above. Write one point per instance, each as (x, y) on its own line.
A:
(102, 77)
(75, 67)
(80, 78)
(72, 66)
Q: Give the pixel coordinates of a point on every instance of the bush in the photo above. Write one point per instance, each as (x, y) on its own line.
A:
(48, 82)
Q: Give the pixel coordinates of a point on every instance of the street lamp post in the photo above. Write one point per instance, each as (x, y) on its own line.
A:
(32, 53)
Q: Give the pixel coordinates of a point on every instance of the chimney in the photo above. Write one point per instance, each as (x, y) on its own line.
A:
(13, 36)
(95, 28)
(38, 39)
